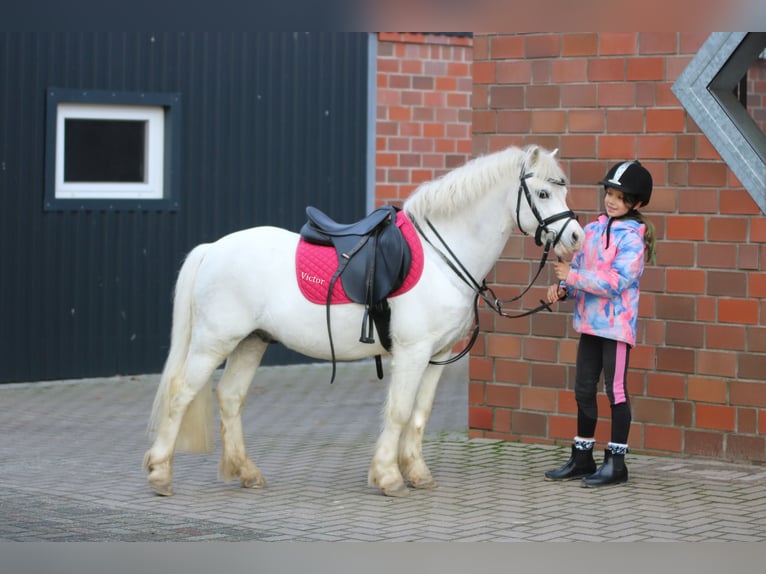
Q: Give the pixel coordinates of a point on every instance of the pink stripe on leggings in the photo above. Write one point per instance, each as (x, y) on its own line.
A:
(620, 367)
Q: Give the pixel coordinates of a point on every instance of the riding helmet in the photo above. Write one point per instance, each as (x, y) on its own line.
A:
(632, 178)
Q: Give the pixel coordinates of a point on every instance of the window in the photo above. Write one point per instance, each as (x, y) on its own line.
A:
(114, 151)
(711, 90)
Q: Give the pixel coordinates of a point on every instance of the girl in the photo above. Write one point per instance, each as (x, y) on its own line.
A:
(603, 278)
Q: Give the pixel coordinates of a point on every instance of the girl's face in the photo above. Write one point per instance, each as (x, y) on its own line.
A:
(614, 203)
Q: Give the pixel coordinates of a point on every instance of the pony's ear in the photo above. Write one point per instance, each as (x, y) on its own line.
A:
(532, 154)
(554, 152)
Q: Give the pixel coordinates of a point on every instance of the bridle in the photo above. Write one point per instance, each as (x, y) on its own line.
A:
(482, 289)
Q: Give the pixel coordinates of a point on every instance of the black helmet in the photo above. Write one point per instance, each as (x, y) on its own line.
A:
(632, 178)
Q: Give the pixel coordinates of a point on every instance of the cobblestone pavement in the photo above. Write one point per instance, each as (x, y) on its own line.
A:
(71, 454)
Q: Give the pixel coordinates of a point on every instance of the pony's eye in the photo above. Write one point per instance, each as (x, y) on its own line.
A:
(543, 194)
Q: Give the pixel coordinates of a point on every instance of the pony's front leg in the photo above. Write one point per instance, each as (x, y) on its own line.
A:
(232, 390)
(411, 461)
(384, 469)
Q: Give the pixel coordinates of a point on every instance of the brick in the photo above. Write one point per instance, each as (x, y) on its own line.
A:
(549, 121)
(481, 368)
(543, 97)
(656, 147)
(616, 43)
(507, 97)
(529, 424)
(579, 96)
(676, 360)
(707, 389)
(505, 47)
(738, 311)
(480, 417)
(751, 366)
(685, 334)
(502, 345)
(616, 147)
(625, 121)
(744, 393)
(606, 70)
(616, 95)
(502, 420)
(726, 283)
(685, 228)
(663, 438)
(542, 46)
(648, 410)
(512, 371)
(484, 72)
(537, 399)
(685, 280)
(503, 396)
(756, 339)
(715, 417)
(649, 68)
(738, 202)
(707, 174)
(676, 254)
(665, 121)
(579, 44)
(725, 337)
(657, 42)
(683, 414)
(722, 256)
(476, 394)
(562, 427)
(701, 443)
(666, 385)
(756, 285)
(548, 375)
(716, 363)
(587, 121)
(569, 70)
(727, 229)
(675, 307)
(747, 420)
(513, 72)
(745, 447)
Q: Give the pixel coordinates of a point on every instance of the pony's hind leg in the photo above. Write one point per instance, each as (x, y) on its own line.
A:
(232, 391)
(411, 461)
(184, 421)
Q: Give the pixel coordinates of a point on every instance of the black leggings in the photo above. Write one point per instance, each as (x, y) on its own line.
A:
(594, 356)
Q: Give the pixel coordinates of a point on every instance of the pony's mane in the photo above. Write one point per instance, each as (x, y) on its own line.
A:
(465, 184)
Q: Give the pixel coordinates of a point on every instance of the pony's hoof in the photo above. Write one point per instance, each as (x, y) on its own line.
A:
(427, 484)
(257, 482)
(162, 489)
(400, 491)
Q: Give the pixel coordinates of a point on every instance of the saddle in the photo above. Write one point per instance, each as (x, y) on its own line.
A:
(373, 259)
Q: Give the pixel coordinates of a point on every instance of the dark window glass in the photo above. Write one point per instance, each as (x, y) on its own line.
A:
(104, 150)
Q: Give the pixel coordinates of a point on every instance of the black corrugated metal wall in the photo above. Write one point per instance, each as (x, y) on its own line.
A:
(271, 122)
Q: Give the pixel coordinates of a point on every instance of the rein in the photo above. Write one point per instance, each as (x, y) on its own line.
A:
(480, 290)
(483, 290)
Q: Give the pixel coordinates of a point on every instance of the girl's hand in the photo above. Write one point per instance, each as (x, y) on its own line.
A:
(555, 293)
(561, 269)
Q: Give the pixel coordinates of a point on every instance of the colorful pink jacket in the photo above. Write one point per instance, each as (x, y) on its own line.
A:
(604, 281)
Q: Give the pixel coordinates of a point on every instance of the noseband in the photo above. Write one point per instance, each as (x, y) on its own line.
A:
(542, 224)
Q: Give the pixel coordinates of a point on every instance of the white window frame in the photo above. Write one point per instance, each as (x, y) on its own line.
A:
(154, 144)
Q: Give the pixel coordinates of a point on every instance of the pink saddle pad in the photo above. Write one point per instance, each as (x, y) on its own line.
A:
(316, 264)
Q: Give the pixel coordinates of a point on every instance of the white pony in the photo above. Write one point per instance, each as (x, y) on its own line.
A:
(236, 295)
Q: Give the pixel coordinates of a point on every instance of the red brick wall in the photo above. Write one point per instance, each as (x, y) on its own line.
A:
(423, 126)
(697, 376)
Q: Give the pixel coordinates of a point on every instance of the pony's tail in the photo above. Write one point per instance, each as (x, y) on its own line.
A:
(196, 432)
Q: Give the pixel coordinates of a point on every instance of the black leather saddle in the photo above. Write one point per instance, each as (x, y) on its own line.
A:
(373, 259)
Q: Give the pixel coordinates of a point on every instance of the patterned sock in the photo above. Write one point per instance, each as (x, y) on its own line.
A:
(583, 443)
(617, 448)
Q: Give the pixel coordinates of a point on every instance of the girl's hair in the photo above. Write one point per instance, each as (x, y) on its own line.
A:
(649, 236)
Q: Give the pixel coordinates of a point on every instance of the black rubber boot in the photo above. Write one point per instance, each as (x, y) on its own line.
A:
(580, 464)
(612, 471)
